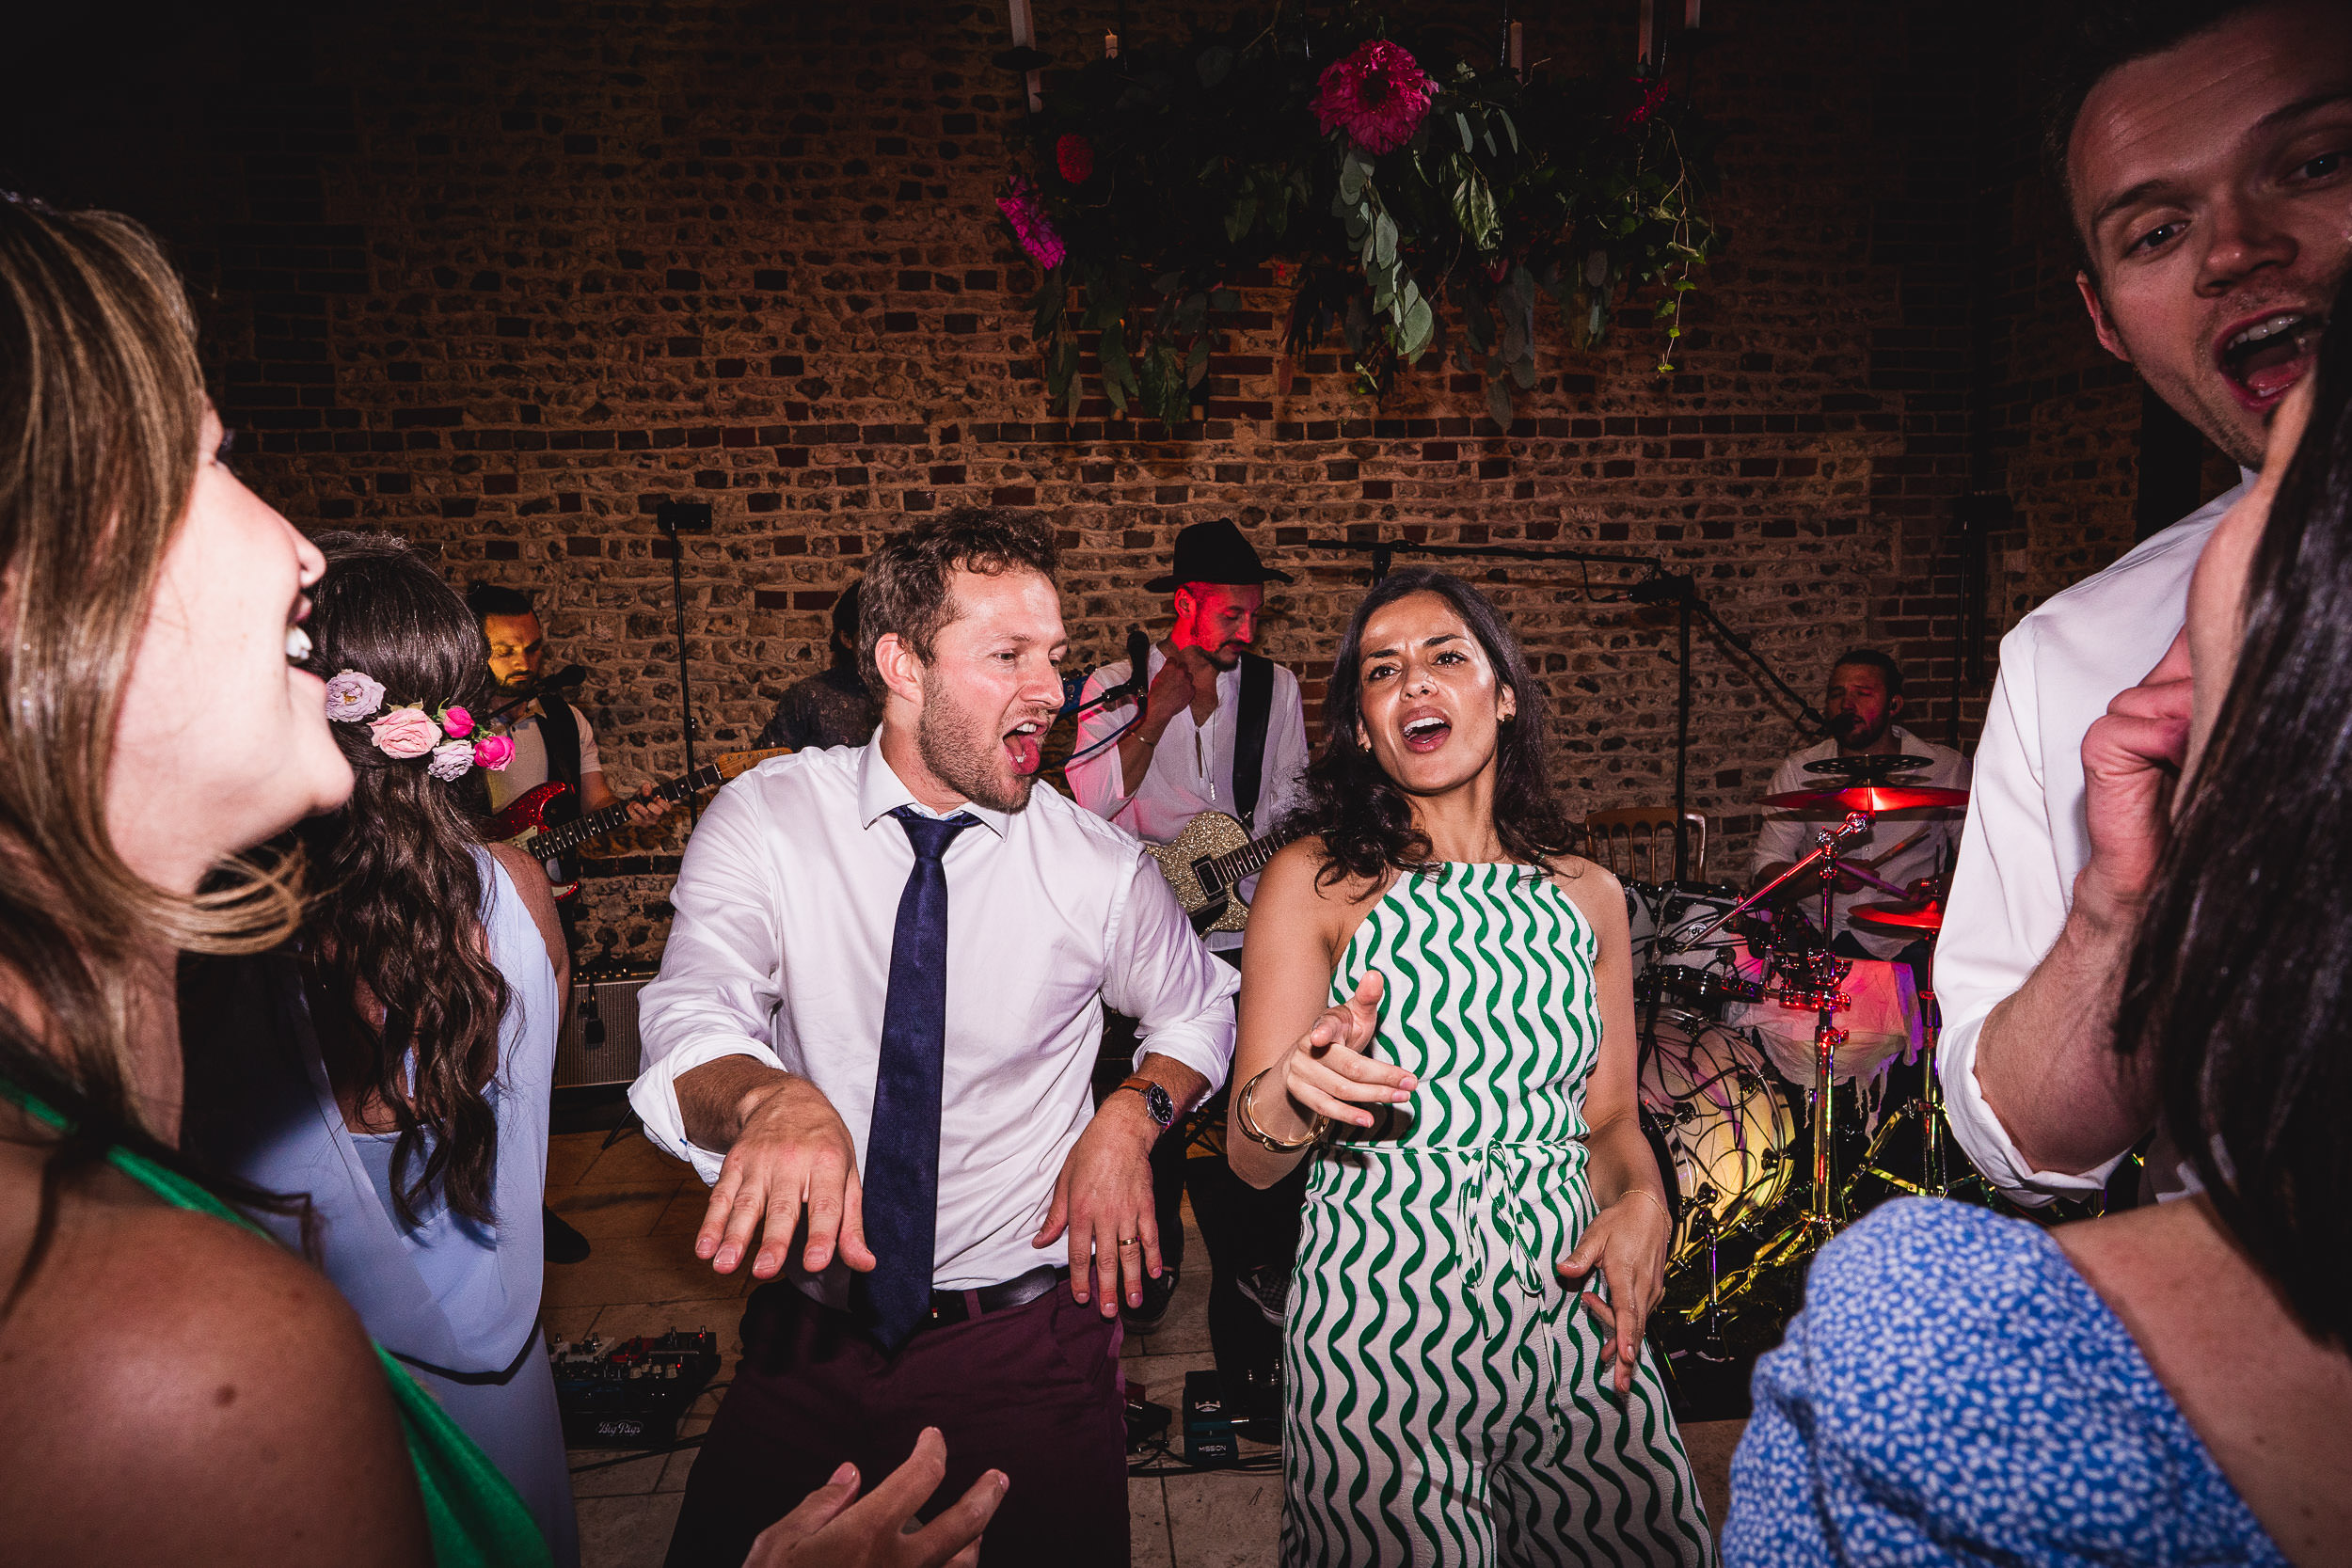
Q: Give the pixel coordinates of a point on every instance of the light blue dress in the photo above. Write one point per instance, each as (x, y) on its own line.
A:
(457, 1302)
(1955, 1392)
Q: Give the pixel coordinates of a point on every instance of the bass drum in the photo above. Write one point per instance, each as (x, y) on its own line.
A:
(1726, 1128)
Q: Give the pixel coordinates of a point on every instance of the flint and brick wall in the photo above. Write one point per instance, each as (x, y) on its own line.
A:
(504, 277)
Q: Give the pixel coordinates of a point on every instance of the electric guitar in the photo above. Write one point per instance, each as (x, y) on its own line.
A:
(524, 822)
(1207, 860)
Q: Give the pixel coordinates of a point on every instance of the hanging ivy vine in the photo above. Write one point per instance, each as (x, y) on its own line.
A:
(1415, 200)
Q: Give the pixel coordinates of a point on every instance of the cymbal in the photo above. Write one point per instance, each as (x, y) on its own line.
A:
(1900, 917)
(1870, 767)
(1871, 797)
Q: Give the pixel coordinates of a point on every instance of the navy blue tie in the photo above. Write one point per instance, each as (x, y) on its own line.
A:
(902, 1198)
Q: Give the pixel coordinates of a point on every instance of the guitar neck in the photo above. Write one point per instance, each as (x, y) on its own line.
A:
(570, 836)
(1250, 859)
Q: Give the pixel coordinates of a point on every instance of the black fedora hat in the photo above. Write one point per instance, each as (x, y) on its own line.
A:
(1214, 551)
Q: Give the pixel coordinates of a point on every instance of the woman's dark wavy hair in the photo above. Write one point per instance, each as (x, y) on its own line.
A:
(1365, 820)
(2241, 977)
(397, 892)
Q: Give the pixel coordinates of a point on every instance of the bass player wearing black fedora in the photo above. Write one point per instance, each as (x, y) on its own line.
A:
(1221, 730)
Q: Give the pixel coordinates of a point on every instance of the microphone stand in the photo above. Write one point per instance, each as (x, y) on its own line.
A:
(668, 519)
(1660, 587)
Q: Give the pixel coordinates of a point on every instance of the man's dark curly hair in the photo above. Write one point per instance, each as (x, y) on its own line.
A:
(1364, 817)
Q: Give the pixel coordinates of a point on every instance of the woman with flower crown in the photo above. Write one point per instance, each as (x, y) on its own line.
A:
(395, 1066)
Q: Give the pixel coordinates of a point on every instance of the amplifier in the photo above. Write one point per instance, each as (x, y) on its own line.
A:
(598, 1043)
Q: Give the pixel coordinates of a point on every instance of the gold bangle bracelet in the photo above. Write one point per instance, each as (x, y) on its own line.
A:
(1246, 1113)
(1645, 1191)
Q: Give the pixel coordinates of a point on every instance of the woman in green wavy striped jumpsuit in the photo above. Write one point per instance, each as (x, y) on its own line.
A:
(1434, 979)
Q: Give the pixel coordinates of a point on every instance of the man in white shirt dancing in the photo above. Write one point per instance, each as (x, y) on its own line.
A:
(2204, 154)
(874, 1029)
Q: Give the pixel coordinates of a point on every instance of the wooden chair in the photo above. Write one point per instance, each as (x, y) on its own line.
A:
(1638, 842)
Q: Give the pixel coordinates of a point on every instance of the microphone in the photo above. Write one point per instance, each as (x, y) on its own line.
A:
(1138, 683)
(566, 679)
(1139, 663)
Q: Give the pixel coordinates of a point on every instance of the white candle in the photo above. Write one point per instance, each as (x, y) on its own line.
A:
(1649, 19)
(1691, 14)
(1516, 50)
(1111, 46)
(1025, 37)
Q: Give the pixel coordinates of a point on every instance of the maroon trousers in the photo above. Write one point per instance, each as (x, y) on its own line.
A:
(1034, 1391)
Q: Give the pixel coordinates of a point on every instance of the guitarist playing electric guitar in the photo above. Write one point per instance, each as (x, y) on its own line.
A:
(552, 740)
(1219, 730)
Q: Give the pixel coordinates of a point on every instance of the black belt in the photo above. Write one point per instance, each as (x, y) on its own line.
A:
(955, 1306)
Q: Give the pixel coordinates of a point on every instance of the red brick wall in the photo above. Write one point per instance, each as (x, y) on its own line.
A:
(503, 279)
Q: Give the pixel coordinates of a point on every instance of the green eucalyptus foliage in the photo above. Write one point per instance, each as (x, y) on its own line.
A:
(1207, 162)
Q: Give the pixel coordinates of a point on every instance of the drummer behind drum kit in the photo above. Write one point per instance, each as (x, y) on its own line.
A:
(1723, 988)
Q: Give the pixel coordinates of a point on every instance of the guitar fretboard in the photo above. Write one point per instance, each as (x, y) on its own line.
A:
(1249, 859)
(560, 840)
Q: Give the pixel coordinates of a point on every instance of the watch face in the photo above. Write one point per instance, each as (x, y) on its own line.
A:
(1163, 1109)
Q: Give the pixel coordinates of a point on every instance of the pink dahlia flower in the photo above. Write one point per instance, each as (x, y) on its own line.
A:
(1075, 156)
(1026, 213)
(1378, 95)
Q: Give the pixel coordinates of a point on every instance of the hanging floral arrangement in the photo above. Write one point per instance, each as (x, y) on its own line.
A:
(1417, 201)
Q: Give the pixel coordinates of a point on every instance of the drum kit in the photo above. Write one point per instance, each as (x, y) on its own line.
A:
(1741, 997)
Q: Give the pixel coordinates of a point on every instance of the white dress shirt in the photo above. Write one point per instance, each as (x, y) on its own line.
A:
(1192, 766)
(787, 903)
(2027, 835)
(1788, 835)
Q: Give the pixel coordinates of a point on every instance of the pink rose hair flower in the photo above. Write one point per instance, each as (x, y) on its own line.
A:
(1026, 211)
(456, 722)
(493, 752)
(1378, 97)
(1075, 156)
(405, 733)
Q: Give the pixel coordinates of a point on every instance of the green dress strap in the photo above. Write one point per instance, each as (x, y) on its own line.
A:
(476, 1518)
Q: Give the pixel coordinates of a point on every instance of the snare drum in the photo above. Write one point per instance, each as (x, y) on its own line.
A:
(1885, 1020)
(1725, 1124)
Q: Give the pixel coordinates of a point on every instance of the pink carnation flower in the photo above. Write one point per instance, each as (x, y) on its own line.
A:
(1377, 96)
(493, 752)
(405, 733)
(1026, 213)
(457, 723)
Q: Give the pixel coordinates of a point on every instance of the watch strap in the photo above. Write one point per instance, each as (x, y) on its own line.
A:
(1156, 1098)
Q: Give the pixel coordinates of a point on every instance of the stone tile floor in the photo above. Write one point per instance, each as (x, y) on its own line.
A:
(640, 1208)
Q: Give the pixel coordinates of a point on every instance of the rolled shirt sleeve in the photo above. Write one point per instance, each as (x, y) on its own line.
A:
(721, 971)
(1784, 836)
(1160, 974)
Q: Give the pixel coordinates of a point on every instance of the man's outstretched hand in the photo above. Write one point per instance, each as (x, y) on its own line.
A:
(833, 1528)
(791, 1156)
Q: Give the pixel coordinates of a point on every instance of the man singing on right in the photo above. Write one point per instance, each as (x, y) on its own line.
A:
(2204, 155)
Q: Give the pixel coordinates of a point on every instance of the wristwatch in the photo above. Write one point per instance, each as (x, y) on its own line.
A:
(1156, 1098)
